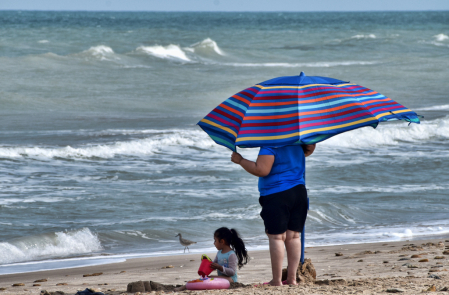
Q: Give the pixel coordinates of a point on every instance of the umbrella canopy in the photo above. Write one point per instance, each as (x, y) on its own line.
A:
(298, 110)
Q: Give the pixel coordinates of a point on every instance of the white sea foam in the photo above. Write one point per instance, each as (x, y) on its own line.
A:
(206, 47)
(326, 218)
(407, 233)
(369, 234)
(43, 41)
(49, 245)
(438, 41)
(249, 213)
(101, 52)
(362, 36)
(52, 264)
(435, 108)
(165, 52)
(385, 134)
(392, 134)
(9, 201)
(192, 179)
(441, 37)
(140, 147)
(404, 188)
(108, 132)
(438, 44)
(354, 235)
(323, 64)
(137, 67)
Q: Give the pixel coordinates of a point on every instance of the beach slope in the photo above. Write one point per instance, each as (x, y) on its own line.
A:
(407, 267)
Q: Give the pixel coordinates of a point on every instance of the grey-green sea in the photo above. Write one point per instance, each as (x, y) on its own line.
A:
(101, 158)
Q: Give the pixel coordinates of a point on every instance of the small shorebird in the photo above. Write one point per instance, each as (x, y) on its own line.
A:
(184, 242)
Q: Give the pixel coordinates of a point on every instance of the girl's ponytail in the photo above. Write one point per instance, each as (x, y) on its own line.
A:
(232, 238)
(239, 248)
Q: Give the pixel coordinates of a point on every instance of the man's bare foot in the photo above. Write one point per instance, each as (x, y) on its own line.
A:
(272, 283)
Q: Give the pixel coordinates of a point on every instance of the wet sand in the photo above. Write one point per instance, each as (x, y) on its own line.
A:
(378, 268)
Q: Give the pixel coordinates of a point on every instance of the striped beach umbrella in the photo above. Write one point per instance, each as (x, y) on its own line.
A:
(298, 110)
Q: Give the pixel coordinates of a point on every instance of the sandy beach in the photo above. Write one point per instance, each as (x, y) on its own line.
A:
(377, 268)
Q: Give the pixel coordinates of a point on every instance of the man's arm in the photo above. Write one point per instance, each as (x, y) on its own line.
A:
(260, 168)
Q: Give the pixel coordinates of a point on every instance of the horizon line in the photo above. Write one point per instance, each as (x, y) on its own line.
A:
(226, 11)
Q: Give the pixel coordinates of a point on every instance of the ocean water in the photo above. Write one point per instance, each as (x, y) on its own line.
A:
(101, 158)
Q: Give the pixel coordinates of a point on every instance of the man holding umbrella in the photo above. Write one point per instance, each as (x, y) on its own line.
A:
(286, 117)
(283, 198)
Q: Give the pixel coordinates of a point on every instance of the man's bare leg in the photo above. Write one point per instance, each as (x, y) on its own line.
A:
(293, 246)
(277, 248)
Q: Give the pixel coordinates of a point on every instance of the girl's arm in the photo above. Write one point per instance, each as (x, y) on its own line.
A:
(260, 168)
(215, 264)
(232, 266)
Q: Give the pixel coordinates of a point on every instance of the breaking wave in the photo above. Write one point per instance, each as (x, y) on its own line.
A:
(441, 37)
(49, 246)
(404, 188)
(361, 36)
(139, 147)
(368, 234)
(164, 52)
(9, 201)
(393, 134)
(202, 52)
(438, 40)
(435, 108)
(384, 134)
(205, 47)
(101, 52)
(306, 65)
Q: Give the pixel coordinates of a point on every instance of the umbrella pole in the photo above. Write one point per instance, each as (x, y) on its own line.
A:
(303, 237)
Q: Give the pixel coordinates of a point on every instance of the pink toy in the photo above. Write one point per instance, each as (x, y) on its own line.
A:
(205, 269)
(208, 284)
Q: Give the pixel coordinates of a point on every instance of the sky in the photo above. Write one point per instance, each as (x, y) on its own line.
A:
(225, 5)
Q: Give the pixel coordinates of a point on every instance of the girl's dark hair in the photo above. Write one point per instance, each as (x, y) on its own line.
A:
(232, 238)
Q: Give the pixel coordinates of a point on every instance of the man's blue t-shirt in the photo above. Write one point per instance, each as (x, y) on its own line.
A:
(287, 171)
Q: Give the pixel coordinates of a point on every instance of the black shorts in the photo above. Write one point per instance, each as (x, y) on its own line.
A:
(284, 210)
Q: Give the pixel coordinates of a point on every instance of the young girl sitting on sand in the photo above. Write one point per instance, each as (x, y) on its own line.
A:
(231, 253)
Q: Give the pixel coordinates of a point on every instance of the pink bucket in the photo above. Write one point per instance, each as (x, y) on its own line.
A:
(205, 269)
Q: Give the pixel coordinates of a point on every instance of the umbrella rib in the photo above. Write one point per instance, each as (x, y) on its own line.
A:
(249, 105)
(306, 131)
